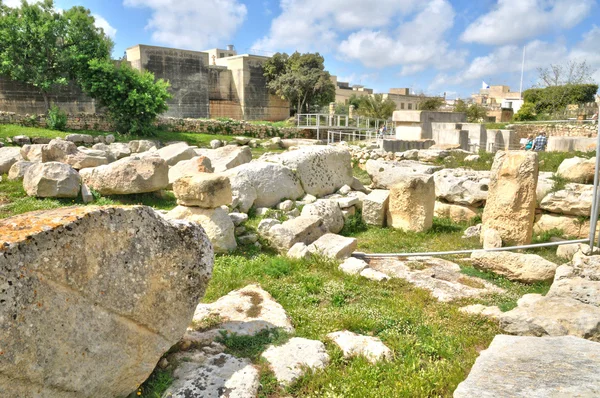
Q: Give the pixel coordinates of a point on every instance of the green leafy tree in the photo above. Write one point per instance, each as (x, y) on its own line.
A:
(132, 99)
(460, 106)
(476, 113)
(300, 79)
(431, 104)
(44, 48)
(553, 99)
(525, 113)
(376, 106)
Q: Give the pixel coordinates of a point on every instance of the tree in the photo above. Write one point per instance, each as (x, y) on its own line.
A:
(376, 107)
(300, 79)
(525, 113)
(573, 72)
(431, 104)
(132, 99)
(476, 113)
(44, 48)
(460, 106)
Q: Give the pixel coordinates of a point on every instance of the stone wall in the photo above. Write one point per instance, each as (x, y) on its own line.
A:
(557, 129)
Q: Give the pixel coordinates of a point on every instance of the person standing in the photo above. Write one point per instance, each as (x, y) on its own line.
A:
(540, 142)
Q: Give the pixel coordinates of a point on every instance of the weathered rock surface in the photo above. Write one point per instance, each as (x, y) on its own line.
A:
(301, 229)
(202, 375)
(334, 246)
(299, 251)
(491, 239)
(411, 203)
(375, 207)
(384, 174)
(33, 153)
(134, 174)
(511, 202)
(80, 138)
(329, 211)
(94, 324)
(462, 186)
(527, 268)
(477, 309)
(431, 155)
(574, 200)
(353, 266)
(322, 169)
(215, 222)
(207, 190)
(226, 157)
(175, 153)
(545, 184)
(353, 344)
(17, 170)
(51, 180)
(534, 367)
(289, 361)
(374, 275)
(67, 152)
(137, 146)
(442, 278)
(262, 184)
(571, 226)
(567, 251)
(245, 311)
(9, 156)
(456, 213)
(194, 166)
(578, 170)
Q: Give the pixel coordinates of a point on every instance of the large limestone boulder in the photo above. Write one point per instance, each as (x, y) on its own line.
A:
(334, 246)
(511, 202)
(385, 174)
(9, 156)
(579, 280)
(545, 185)
(518, 366)
(527, 268)
(462, 186)
(578, 170)
(411, 203)
(215, 222)
(305, 229)
(206, 190)
(67, 152)
(226, 157)
(134, 174)
(192, 167)
(51, 180)
(456, 213)
(175, 153)
(571, 226)
(329, 211)
(138, 146)
(263, 184)
(574, 200)
(80, 138)
(321, 169)
(93, 297)
(375, 207)
(33, 153)
(17, 171)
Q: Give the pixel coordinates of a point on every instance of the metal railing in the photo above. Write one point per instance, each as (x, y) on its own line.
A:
(323, 120)
(336, 136)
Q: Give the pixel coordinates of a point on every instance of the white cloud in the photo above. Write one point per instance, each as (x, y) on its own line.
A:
(17, 3)
(103, 23)
(588, 49)
(309, 25)
(514, 20)
(193, 24)
(416, 44)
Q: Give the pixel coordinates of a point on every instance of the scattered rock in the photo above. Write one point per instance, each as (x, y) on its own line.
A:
(138, 146)
(567, 251)
(472, 158)
(21, 140)
(569, 225)
(86, 194)
(472, 232)
(238, 218)
(374, 275)
(80, 138)
(175, 153)
(265, 225)
(99, 321)
(334, 246)
(17, 170)
(353, 344)
(462, 186)
(205, 190)
(456, 213)
(215, 222)
(578, 170)
(248, 239)
(491, 239)
(67, 152)
(51, 180)
(214, 144)
(375, 207)
(195, 166)
(227, 157)
(516, 366)
(286, 205)
(511, 202)
(431, 155)
(491, 311)
(329, 211)
(526, 268)
(411, 203)
(352, 266)
(33, 153)
(301, 229)
(574, 200)
(290, 360)
(385, 174)
(9, 156)
(299, 251)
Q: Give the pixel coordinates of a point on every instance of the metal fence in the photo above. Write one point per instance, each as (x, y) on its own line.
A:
(336, 136)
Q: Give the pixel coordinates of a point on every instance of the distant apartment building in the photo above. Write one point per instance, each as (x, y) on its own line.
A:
(401, 96)
(502, 103)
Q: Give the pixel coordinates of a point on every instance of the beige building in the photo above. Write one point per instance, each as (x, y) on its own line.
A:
(502, 103)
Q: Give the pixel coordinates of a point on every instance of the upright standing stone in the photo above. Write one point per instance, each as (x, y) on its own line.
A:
(412, 201)
(511, 202)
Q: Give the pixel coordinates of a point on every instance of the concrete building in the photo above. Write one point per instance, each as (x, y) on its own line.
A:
(343, 91)
(502, 103)
(417, 125)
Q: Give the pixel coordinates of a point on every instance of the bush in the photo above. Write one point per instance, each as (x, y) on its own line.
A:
(57, 119)
(132, 99)
(526, 113)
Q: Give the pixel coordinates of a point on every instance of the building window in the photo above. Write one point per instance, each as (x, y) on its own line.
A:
(409, 106)
(509, 104)
(221, 55)
(402, 105)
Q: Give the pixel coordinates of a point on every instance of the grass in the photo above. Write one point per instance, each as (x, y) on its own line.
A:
(361, 175)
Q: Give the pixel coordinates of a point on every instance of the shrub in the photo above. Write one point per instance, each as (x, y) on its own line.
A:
(526, 112)
(132, 99)
(57, 119)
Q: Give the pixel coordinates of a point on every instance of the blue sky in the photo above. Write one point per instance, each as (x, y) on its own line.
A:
(431, 46)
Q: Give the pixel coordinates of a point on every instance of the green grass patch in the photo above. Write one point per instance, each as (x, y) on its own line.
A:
(251, 346)
(361, 175)
(158, 382)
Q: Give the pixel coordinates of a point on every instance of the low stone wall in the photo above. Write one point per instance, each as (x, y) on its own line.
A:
(207, 126)
(557, 129)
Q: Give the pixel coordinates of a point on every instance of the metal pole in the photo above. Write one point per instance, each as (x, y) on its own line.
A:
(522, 69)
(498, 249)
(595, 204)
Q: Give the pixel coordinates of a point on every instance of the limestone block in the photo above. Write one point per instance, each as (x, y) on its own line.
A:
(411, 203)
(194, 166)
(301, 229)
(33, 153)
(334, 246)
(17, 170)
(138, 146)
(329, 211)
(207, 190)
(462, 186)
(491, 239)
(353, 344)
(375, 207)
(67, 152)
(456, 213)
(51, 180)
(571, 226)
(96, 323)
(574, 200)
(576, 169)
(511, 202)
(226, 157)
(175, 153)
(527, 268)
(9, 156)
(290, 360)
(385, 174)
(353, 266)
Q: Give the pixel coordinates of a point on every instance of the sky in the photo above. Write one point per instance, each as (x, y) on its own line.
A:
(430, 46)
